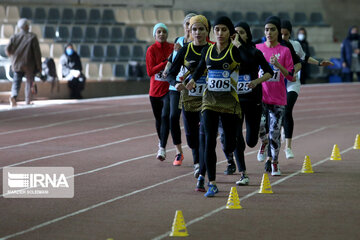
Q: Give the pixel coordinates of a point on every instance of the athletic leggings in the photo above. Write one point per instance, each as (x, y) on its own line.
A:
(211, 123)
(250, 111)
(175, 112)
(192, 131)
(275, 114)
(288, 117)
(161, 109)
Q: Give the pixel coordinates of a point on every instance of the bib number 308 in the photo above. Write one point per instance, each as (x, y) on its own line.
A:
(219, 85)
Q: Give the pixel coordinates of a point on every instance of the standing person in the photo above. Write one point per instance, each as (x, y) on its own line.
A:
(175, 111)
(189, 57)
(350, 55)
(156, 60)
(302, 39)
(249, 89)
(72, 71)
(293, 88)
(25, 54)
(220, 100)
(274, 90)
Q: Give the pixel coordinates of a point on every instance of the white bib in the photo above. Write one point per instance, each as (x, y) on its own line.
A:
(219, 81)
(199, 88)
(243, 84)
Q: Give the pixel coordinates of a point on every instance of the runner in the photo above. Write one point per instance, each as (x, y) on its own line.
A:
(293, 88)
(249, 89)
(220, 100)
(156, 59)
(274, 90)
(188, 58)
(175, 111)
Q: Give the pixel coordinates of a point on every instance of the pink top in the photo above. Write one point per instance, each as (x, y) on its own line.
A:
(274, 89)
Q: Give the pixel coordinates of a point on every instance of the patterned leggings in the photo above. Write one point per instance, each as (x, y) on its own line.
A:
(275, 115)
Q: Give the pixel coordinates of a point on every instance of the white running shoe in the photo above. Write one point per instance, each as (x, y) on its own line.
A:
(282, 135)
(196, 170)
(161, 155)
(289, 153)
(275, 170)
(244, 180)
(262, 154)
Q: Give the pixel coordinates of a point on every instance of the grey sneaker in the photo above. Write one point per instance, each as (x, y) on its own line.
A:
(244, 180)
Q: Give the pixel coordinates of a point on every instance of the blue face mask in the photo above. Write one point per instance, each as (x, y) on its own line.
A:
(69, 51)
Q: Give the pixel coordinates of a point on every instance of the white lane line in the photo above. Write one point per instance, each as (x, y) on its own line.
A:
(129, 194)
(328, 103)
(150, 187)
(325, 109)
(75, 134)
(75, 120)
(344, 95)
(209, 214)
(80, 150)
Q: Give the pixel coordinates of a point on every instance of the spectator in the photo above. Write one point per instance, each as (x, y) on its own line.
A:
(25, 54)
(71, 71)
(301, 38)
(350, 54)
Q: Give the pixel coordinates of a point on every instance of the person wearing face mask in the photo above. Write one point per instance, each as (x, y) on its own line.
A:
(350, 55)
(72, 71)
(156, 59)
(24, 52)
(301, 38)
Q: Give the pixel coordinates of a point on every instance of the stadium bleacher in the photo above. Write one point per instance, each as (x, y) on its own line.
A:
(113, 37)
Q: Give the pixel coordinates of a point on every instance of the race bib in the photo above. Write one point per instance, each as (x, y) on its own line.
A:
(275, 77)
(199, 88)
(243, 84)
(158, 77)
(219, 81)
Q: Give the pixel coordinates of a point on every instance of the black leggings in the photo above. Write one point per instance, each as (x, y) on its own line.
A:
(175, 112)
(251, 111)
(161, 109)
(192, 129)
(211, 123)
(288, 117)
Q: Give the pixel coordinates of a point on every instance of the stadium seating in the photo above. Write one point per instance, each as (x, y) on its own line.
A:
(119, 70)
(178, 16)
(12, 14)
(94, 16)
(122, 16)
(39, 15)
(164, 16)
(92, 70)
(108, 17)
(116, 35)
(300, 19)
(90, 35)
(26, 12)
(62, 34)
(111, 53)
(76, 34)
(56, 50)
(105, 71)
(252, 18)
(124, 53)
(80, 16)
(97, 53)
(67, 16)
(84, 51)
(137, 53)
(236, 17)
(48, 31)
(2, 14)
(129, 34)
(53, 16)
(103, 34)
(7, 30)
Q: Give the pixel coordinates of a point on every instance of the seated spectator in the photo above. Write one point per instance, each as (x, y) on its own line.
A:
(71, 71)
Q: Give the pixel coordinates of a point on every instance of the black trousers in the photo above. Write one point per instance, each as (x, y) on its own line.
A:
(161, 110)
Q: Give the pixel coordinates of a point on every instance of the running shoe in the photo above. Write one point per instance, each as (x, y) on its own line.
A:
(230, 169)
(275, 170)
(262, 154)
(211, 191)
(200, 186)
(282, 135)
(196, 170)
(289, 153)
(161, 155)
(268, 166)
(178, 159)
(244, 180)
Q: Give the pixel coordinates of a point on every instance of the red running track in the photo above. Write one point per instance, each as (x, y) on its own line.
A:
(123, 192)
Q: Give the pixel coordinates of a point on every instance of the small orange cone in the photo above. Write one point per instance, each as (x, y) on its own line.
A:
(233, 200)
(335, 155)
(179, 227)
(307, 168)
(265, 184)
(357, 142)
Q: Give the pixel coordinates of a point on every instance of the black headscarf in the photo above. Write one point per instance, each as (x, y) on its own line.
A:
(287, 25)
(277, 22)
(246, 27)
(352, 36)
(227, 22)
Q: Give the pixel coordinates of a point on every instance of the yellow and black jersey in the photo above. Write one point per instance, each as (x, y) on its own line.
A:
(222, 75)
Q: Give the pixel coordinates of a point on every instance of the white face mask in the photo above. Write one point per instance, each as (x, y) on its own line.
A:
(301, 36)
